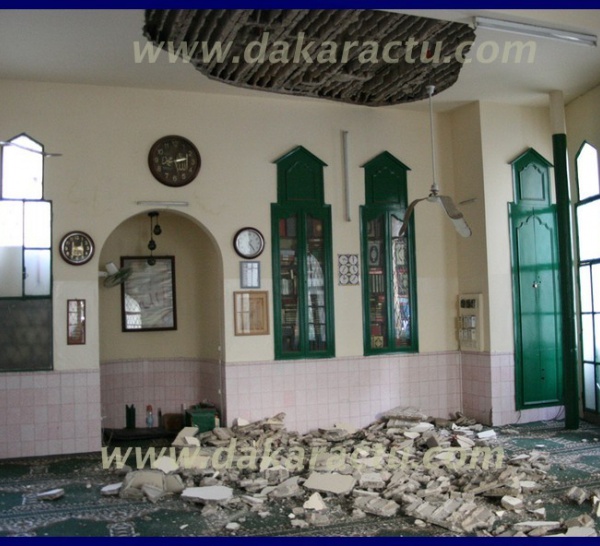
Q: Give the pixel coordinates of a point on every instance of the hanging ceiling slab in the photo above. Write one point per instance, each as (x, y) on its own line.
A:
(363, 57)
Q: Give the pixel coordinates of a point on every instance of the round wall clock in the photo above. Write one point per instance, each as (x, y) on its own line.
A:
(76, 248)
(174, 161)
(248, 242)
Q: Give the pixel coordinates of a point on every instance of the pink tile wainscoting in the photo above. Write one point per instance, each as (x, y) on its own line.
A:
(164, 384)
(488, 391)
(319, 393)
(49, 413)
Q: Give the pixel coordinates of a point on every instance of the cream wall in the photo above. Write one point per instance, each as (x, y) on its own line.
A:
(468, 174)
(507, 131)
(105, 133)
(582, 125)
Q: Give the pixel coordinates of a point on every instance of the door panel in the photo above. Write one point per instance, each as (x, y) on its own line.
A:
(538, 344)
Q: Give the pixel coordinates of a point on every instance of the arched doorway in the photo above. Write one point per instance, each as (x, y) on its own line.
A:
(167, 369)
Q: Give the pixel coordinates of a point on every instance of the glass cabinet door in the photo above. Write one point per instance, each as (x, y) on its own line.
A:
(388, 291)
(401, 285)
(289, 284)
(378, 315)
(302, 299)
(316, 285)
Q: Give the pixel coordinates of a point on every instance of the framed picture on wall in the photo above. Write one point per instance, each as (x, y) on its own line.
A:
(148, 294)
(75, 322)
(251, 313)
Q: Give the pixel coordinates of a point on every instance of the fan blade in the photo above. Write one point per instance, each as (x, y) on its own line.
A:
(455, 215)
(117, 278)
(408, 214)
(45, 154)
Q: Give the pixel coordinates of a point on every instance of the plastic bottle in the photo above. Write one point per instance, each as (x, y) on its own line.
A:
(149, 416)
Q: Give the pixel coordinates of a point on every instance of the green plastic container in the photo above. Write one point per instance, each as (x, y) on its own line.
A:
(203, 418)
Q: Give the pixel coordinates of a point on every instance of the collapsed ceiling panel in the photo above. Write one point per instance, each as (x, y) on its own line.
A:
(372, 58)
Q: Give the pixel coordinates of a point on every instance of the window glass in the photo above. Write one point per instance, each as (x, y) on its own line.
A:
(37, 224)
(37, 272)
(588, 220)
(587, 172)
(22, 169)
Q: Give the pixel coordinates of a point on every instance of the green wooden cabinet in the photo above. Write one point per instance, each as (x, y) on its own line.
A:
(389, 272)
(302, 260)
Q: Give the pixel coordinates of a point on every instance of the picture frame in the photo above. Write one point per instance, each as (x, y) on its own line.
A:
(251, 313)
(75, 322)
(250, 274)
(148, 301)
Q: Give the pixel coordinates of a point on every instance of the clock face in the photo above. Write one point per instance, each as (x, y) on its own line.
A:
(174, 161)
(77, 248)
(248, 242)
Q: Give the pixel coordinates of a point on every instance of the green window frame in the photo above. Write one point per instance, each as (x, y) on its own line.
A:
(302, 260)
(389, 264)
(587, 211)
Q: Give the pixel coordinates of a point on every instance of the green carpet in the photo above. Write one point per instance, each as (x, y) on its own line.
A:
(83, 511)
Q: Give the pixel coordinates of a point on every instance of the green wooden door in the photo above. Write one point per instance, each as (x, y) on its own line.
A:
(536, 286)
(537, 307)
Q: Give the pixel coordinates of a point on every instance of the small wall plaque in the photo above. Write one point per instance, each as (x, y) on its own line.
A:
(249, 274)
(348, 274)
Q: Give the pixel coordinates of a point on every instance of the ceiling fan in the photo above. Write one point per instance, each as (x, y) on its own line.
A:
(16, 145)
(434, 196)
(113, 276)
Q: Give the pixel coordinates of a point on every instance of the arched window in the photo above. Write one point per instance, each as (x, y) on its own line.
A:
(588, 234)
(25, 258)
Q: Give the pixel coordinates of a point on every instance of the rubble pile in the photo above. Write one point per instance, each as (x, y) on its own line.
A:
(450, 473)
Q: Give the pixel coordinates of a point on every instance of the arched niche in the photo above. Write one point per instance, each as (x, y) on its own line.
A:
(168, 369)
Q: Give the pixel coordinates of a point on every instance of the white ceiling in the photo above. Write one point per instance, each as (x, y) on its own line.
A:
(97, 47)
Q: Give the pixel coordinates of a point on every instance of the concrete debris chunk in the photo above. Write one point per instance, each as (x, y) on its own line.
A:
(377, 506)
(529, 526)
(232, 526)
(184, 436)
(511, 503)
(288, 488)
(371, 480)
(315, 502)
(277, 474)
(578, 495)
(583, 520)
(406, 413)
(421, 427)
(318, 519)
(214, 493)
(153, 494)
(330, 482)
(51, 494)
(581, 532)
(133, 482)
(112, 489)
(167, 464)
